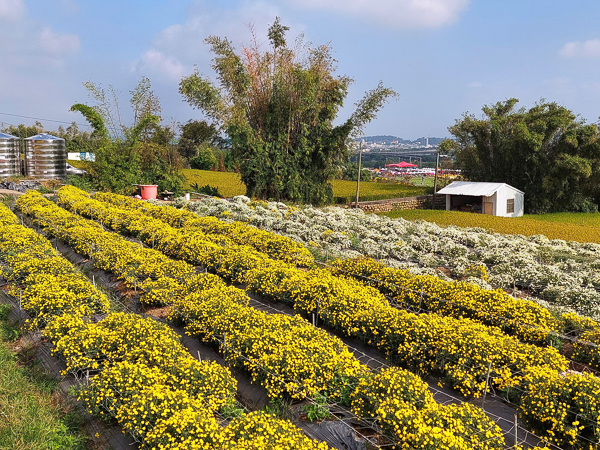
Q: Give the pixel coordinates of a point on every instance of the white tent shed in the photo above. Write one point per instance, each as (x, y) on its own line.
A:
(497, 199)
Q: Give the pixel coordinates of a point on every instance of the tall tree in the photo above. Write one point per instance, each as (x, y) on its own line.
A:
(277, 107)
(144, 101)
(195, 133)
(546, 152)
(106, 106)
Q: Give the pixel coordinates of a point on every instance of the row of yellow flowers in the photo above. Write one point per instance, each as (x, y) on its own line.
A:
(149, 382)
(523, 318)
(222, 311)
(46, 285)
(287, 355)
(7, 217)
(275, 347)
(406, 407)
(297, 352)
(142, 366)
(274, 245)
(459, 348)
(158, 392)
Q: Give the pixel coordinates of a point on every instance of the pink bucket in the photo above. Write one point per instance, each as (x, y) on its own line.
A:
(148, 191)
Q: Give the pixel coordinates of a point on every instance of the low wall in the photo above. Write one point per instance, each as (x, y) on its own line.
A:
(393, 204)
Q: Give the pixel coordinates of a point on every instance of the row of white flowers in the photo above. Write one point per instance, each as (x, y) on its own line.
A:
(564, 273)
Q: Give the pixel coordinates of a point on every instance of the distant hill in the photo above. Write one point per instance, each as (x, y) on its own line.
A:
(385, 139)
(389, 140)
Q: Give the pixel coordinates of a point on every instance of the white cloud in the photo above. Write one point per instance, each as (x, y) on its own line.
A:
(58, 44)
(394, 13)
(576, 49)
(12, 9)
(475, 84)
(35, 73)
(186, 40)
(178, 48)
(155, 61)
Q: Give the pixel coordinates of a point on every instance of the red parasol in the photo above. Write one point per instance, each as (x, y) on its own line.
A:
(401, 164)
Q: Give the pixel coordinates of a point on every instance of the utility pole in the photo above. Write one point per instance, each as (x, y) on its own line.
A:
(359, 169)
(437, 163)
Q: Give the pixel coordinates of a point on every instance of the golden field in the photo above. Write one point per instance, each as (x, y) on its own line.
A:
(229, 184)
(580, 227)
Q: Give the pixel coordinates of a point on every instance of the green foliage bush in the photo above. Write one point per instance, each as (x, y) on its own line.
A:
(80, 181)
(205, 158)
(350, 173)
(207, 190)
(120, 165)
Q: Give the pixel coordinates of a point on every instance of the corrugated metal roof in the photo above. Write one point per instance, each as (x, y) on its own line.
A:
(473, 188)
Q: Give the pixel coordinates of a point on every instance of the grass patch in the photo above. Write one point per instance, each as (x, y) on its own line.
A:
(229, 185)
(580, 227)
(345, 191)
(30, 416)
(587, 219)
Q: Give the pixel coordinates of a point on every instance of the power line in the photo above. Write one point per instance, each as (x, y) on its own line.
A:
(47, 120)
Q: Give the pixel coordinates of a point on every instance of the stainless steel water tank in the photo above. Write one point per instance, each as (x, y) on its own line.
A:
(45, 157)
(10, 155)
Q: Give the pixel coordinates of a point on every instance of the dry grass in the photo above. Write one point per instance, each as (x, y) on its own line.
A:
(578, 227)
(371, 190)
(229, 184)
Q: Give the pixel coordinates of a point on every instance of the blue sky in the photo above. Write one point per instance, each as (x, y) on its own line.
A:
(444, 57)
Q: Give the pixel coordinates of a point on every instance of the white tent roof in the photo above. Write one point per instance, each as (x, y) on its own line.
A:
(474, 188)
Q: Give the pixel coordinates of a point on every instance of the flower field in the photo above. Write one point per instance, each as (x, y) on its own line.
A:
(561, 275)
(127, 260)
(261, 358)
(429, 342)
(143, 375)
(525, 319)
